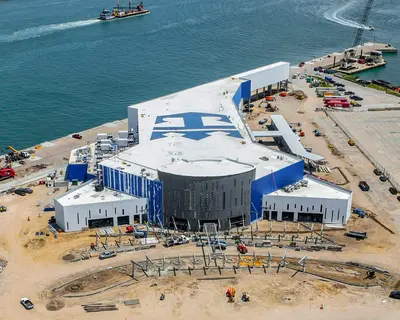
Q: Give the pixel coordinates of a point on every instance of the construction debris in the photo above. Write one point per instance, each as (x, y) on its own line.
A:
(3, 264)
(98, 307)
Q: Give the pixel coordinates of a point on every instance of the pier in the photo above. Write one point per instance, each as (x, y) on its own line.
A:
(333, 60)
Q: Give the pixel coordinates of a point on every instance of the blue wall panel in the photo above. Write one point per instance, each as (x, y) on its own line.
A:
(237, 96)
(152, 190)
(243, 92)
(271, 183)
(77, 171)
(246, 89)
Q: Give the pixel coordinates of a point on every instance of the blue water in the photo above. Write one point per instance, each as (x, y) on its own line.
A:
(63, 71)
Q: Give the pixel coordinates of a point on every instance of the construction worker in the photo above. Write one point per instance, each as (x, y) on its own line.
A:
(245, 297)
(230, 294)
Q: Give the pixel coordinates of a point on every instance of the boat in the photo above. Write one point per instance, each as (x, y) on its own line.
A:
(119, 12)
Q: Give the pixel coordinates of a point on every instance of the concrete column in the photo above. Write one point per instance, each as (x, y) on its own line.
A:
(334, 61)
(279, 216)
(296, 216)
(270, 215)
(279, 86)
(264, 91)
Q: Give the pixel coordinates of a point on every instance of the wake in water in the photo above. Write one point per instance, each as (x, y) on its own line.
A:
(36, 32)
(335, 16)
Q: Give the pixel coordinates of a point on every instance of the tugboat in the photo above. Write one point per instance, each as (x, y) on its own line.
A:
(119, 12)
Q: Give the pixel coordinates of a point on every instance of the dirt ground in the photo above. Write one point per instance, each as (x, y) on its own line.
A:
(36, 265)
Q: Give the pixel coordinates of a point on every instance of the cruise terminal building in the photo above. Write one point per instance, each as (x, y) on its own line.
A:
(198, 162)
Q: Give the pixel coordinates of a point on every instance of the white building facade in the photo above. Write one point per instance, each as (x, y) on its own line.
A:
(319, 202)
(85, 208)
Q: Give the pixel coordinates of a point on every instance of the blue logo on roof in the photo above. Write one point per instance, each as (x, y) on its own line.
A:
(192, 125)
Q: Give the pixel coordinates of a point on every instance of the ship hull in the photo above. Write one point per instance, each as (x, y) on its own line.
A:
(129, 15)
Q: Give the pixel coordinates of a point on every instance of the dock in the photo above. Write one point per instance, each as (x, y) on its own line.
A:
(333, 60)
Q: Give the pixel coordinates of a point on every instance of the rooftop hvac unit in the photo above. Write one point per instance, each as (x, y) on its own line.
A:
(76, 196)
(304, 182)
(297, 186)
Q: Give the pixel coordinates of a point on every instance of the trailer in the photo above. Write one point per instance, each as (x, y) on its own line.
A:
(357, 235)
(326, 99)
(340, 104)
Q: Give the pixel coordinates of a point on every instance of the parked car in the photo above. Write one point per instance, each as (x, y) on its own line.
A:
(77, 136)
(27, 190)
(395, 294)
(349, 93)
(107, 254)
(393, 190)
(20, 192)
(378, 172)
(263, 121)
(28, 305)
(357, 98)
(3, 208)
(341, 89)
(383, 178)
(363, 186)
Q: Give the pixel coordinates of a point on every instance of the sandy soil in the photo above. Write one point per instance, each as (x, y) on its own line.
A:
(35, 264)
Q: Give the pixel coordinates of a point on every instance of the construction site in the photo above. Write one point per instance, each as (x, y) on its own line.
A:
(119, 220)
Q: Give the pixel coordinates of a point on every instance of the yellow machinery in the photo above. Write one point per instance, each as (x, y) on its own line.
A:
(351, 142)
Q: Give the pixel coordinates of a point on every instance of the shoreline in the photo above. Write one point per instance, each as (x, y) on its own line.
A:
(55, 152)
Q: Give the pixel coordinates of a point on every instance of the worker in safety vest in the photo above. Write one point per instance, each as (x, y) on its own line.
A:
(230, 293)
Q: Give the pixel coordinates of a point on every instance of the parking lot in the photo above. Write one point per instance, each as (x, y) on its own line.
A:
(378, 135)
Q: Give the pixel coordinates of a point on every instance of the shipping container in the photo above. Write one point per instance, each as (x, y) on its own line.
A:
(338, 104)
(326, 99)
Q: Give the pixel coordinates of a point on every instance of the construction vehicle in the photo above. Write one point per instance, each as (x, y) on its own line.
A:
(360, 212)
(175, 241)
(6, 173)
(317, 133)
(351, 142)
(22, 154)
(241, 247)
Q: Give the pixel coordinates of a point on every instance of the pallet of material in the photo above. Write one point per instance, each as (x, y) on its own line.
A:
(131, 302)
(99, 307)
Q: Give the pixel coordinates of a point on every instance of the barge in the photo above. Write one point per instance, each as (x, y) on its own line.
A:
(119, 12)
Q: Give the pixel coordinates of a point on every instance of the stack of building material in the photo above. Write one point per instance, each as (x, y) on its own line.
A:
(98, 307)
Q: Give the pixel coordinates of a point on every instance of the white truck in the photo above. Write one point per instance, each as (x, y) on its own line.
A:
(176, 241)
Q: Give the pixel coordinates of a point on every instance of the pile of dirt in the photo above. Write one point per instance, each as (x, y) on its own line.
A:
(55, 305)
(35, 243)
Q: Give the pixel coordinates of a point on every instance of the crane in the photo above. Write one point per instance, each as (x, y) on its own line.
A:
(363, 21)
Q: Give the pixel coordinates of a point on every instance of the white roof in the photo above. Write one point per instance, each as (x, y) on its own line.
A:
(197, 168)
(316, 188)
(86, 193)
(292, 139)
(201, 123)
